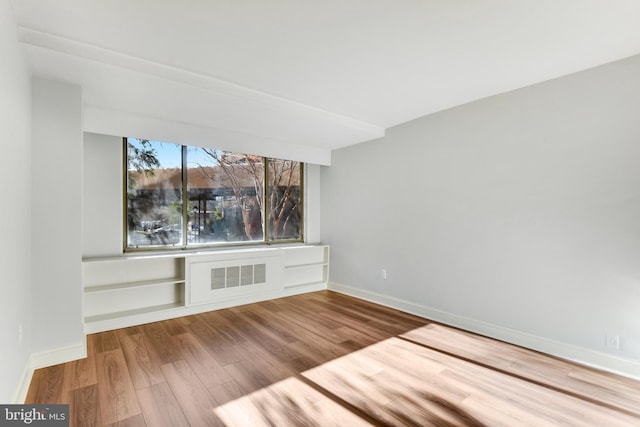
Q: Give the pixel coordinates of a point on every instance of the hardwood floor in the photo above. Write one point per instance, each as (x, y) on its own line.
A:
(325, 359)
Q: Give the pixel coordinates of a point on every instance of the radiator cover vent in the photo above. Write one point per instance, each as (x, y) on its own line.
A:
(238, 275)
(226, 276)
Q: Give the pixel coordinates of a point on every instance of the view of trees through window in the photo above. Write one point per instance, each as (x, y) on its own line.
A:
(218, 196)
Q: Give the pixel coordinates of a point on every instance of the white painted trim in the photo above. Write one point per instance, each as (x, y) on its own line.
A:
(57, 356)
(23, 388)
(303, 289)
(606, 362)
(43, 360)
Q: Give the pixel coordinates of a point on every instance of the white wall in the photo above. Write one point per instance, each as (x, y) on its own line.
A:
(312, 203)
(102, 212)
(102, 201)
(518, 213)
(56, 218)
(15, 278)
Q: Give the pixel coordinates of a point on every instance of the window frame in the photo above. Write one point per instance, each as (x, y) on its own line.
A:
(185, 246)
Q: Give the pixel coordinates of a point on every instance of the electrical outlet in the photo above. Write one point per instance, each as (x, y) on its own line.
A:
(384, 274)
(612, 341)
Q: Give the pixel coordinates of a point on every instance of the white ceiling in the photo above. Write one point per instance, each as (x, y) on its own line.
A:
(308, 76)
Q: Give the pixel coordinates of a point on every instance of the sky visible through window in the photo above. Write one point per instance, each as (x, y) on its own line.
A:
(169, 154)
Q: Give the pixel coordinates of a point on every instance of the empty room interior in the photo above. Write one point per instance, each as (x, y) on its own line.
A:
(357, 212)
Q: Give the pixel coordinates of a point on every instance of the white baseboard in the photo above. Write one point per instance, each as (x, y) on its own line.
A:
(607, 362)
(59, 355)
(23, 388)
(44, 359)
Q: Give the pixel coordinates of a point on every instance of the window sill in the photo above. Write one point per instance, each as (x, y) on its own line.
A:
(189, 252)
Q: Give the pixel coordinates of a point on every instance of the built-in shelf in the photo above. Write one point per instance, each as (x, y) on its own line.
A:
(301, 285)
(128, 288)
(121, 291)
(142, 283)
(129, 313)
(306, 266)
(314, 264)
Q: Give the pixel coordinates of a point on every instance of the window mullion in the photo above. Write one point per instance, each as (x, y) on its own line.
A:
(185, 198)
(265, 200)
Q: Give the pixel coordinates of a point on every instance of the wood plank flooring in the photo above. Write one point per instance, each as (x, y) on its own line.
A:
(324, 359)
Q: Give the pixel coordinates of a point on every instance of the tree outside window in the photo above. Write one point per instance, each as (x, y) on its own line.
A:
(222, 200)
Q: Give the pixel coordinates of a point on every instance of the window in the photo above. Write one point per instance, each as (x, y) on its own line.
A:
(283, 198)
(154, 194)
(184, 196)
